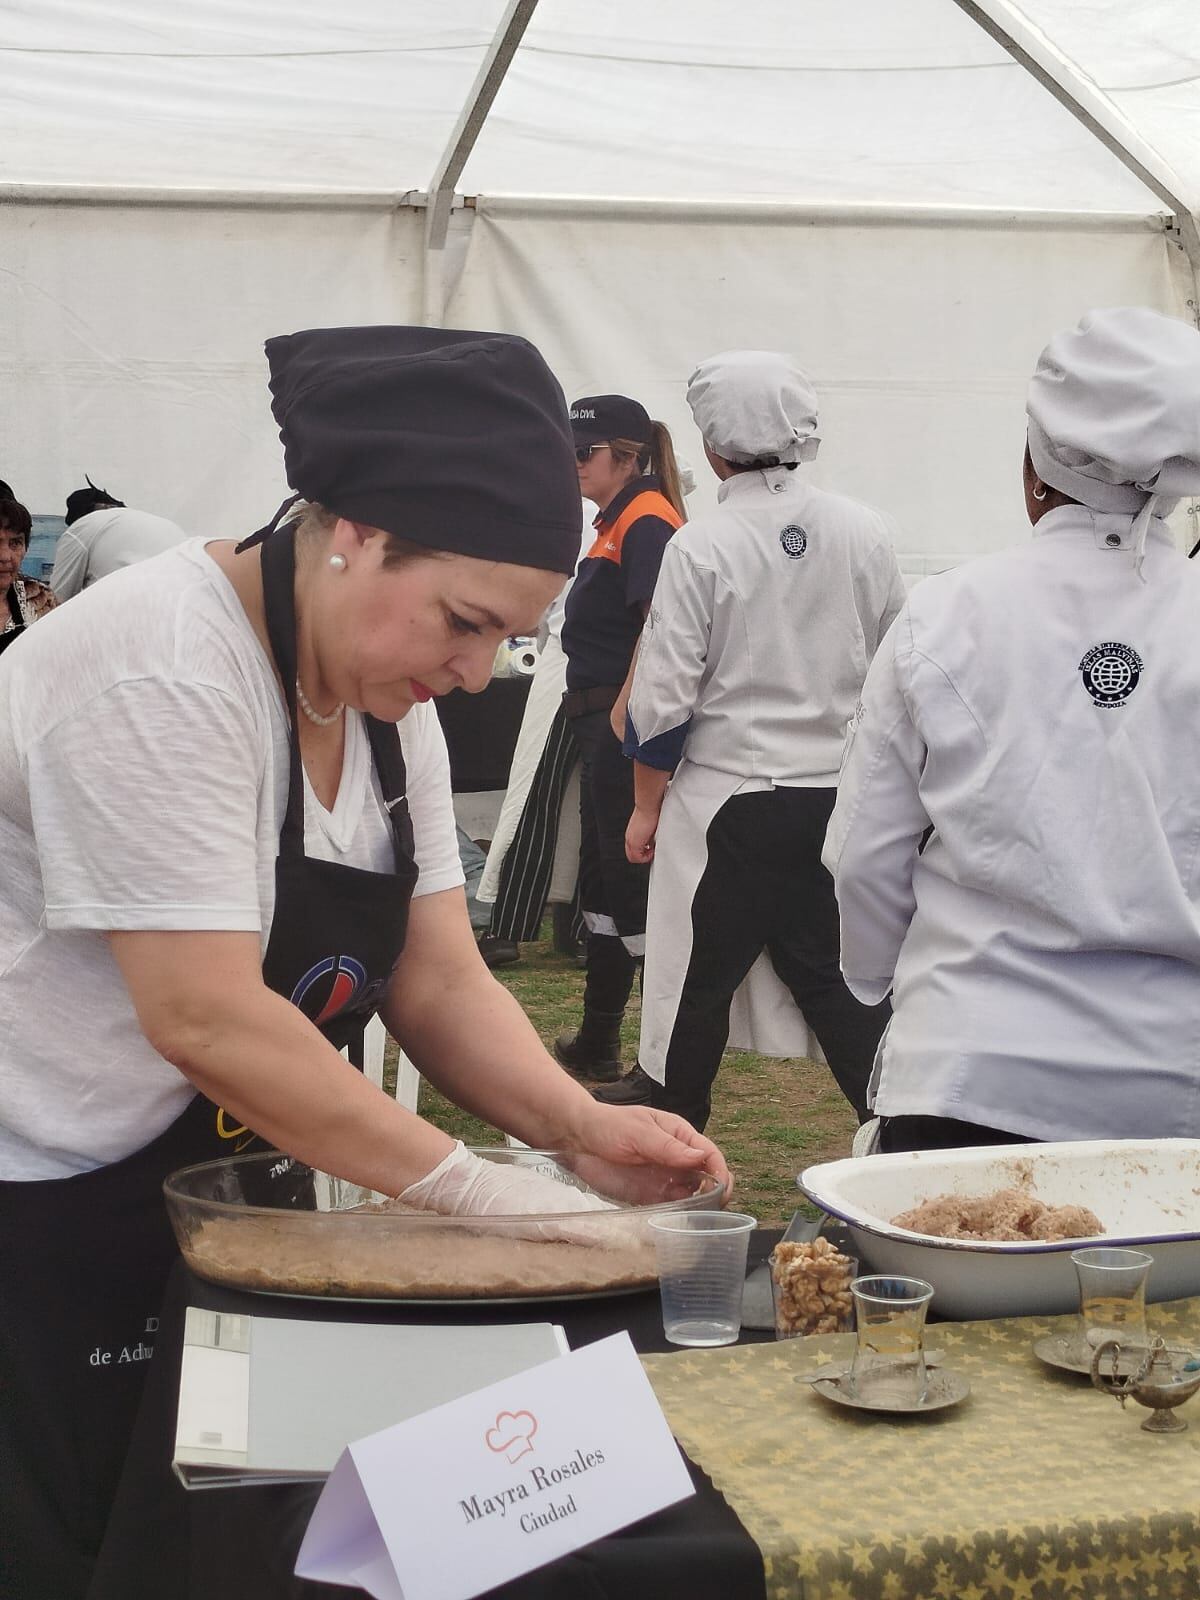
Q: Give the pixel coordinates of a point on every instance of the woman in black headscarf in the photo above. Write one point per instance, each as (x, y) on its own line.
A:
(230, 843)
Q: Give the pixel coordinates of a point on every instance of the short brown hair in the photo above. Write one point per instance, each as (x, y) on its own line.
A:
(14, 518)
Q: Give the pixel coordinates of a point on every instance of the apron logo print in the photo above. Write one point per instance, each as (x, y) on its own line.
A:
(237, 1131)
(1110, 673)
(794, 541)
(333, 983)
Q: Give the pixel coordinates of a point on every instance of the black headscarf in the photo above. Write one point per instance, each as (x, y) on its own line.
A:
(454, 440)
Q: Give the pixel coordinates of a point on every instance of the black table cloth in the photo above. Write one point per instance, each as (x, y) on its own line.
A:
(166, 1543)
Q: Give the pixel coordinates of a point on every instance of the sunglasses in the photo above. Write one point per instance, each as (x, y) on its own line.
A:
(583, 452)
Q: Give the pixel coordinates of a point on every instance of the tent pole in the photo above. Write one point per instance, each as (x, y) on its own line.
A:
(1033, 51)
(509, 32)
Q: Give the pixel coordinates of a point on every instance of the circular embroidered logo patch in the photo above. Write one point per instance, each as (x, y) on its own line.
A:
(1111, 672)
(794, 541)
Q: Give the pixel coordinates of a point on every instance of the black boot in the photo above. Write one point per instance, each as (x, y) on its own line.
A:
(595, 1051)
(631, 1090)
(497, 952)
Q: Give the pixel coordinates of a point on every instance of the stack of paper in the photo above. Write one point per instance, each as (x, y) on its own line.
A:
(271, 1400)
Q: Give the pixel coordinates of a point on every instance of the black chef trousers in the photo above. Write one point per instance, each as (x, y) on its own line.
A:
(764, 887)
(610, 886)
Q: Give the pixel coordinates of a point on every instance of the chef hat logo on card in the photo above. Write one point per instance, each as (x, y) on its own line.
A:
(329, 987)
(512, 1435)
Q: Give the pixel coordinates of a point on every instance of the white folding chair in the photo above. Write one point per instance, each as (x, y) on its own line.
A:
(408, 1079)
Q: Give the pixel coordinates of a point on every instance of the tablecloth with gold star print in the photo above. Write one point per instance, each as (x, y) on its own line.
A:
(1036, 1487)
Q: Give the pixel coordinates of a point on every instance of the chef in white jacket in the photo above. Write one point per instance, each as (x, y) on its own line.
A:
(101, 535)
(1038, 711)
(765, 617)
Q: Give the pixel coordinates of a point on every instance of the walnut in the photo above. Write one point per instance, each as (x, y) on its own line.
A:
(812, 1288)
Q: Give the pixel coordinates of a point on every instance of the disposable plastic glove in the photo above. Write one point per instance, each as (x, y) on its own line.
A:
(463, 1185)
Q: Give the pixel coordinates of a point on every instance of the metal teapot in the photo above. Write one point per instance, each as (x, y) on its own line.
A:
(1164, 1380)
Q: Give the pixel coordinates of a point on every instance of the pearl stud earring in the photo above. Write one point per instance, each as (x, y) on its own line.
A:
(338, 563)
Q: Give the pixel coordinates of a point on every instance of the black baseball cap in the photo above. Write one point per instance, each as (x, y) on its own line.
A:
(600, 417)
(451, 439)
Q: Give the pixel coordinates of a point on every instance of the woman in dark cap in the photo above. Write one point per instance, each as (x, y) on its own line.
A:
(627, 467)
(230, 842)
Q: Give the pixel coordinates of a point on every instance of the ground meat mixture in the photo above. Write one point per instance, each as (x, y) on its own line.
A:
(357, 1261)
(1002, 1214)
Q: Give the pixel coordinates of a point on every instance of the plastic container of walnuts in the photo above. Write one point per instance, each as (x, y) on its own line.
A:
(810, 1284)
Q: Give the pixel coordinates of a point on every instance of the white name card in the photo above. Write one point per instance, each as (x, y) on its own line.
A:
(462, 1498)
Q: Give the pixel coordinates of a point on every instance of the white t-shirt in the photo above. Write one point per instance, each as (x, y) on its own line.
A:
(143, 782)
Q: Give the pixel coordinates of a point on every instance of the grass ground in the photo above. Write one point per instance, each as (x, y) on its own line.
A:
(771, 1118)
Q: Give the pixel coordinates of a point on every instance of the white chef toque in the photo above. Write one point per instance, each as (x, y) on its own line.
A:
(1114, 415)
(755, 406)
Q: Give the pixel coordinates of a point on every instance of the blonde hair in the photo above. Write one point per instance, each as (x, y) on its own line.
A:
(658, 457)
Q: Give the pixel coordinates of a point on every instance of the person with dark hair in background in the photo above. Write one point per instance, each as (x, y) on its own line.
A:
(626, 466)
(101, 536)
(24, 599)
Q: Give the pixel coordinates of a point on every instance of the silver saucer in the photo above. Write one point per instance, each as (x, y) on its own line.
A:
(942, 1389)
(1057, 1350)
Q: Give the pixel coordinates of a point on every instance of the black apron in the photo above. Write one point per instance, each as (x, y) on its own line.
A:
(83, 1260)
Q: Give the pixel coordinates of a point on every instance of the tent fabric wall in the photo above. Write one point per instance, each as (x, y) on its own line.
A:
(131, 343)
(259, 94)
(131, 334)
(826, 102)
(131, 337)
(832, 100)
(920, 339)
(1145, 58)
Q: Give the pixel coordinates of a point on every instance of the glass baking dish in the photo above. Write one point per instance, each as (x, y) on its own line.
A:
(272, 1225)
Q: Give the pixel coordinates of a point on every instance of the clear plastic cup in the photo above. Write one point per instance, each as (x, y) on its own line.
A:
(1112, 1299)
(889, 1354)
(701, 1271)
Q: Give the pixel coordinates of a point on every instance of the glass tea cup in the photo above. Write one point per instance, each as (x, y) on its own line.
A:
(1112, 1299)
(888, 1369)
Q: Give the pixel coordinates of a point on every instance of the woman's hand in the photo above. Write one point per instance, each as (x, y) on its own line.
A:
(464, 1185)
(639, 837)
(637, 1137)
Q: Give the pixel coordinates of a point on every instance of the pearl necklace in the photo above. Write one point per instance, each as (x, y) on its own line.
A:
(315, 716)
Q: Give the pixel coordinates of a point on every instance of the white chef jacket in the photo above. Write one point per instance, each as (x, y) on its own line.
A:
(1041, 709)
(104, 541)
(765, 616)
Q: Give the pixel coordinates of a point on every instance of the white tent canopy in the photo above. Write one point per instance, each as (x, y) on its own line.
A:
(911, 197)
